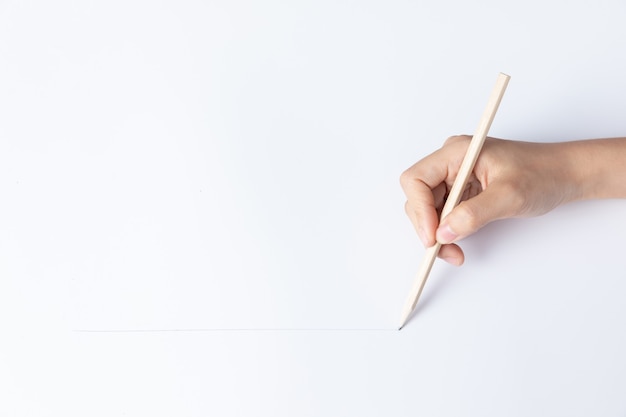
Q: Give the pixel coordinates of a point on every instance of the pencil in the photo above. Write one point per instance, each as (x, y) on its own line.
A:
(458, 186)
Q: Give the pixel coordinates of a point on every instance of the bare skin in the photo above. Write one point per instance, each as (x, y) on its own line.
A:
(510, 179)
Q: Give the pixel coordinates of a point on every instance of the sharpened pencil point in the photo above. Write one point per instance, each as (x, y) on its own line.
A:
(400, 328)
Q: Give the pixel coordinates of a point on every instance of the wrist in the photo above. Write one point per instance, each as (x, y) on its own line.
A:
(595, 168)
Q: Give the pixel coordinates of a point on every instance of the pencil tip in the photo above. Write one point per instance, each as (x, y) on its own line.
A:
(400, 328)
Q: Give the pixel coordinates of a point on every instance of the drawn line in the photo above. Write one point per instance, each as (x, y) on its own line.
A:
(277, 329)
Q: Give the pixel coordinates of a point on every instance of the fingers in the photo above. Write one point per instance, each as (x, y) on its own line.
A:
(423, 214)
(425, 186)
(425, 189)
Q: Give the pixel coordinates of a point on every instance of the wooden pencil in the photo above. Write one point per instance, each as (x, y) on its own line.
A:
(458, 186)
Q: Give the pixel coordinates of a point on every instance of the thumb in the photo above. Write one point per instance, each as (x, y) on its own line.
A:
(491, 204)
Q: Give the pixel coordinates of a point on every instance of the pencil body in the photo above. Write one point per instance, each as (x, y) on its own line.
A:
(456, 191)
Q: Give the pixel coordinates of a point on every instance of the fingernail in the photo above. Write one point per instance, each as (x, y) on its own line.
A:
(452, 260)
(446, 235)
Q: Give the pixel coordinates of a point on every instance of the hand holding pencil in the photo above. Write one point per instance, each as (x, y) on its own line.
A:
(506, 179)
(510, 179)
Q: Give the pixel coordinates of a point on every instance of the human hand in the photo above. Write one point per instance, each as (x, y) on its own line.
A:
(510, 179)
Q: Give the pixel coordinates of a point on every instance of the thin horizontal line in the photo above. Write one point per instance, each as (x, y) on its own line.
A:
(277, 329)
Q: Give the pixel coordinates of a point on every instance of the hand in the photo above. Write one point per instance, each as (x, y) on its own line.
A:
(510, 179)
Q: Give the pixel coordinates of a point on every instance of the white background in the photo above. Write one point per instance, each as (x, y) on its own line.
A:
(233, 166)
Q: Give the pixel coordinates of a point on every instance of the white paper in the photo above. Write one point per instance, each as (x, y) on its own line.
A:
(226, 173)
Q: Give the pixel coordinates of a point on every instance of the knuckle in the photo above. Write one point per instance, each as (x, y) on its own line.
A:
(405, 178)
(456, 139)
(407, 207)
